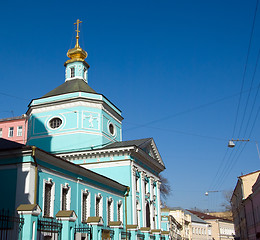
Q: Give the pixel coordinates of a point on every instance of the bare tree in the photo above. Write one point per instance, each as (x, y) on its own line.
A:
(165, 189)
(227, 197)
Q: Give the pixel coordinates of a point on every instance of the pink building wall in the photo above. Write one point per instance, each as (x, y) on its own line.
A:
(19, 126)
(252, 210)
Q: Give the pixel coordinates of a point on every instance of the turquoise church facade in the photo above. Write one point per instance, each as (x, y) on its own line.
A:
(77, 170)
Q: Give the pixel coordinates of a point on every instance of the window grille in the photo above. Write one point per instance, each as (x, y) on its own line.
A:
(64, 204)
(119, 212)
(47, 200)
(98, 200)
(84, 206)
(55, 123)
(109, 210)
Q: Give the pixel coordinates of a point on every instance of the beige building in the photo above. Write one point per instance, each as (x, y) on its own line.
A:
(184, 218)
(221, 229)
(241, 192)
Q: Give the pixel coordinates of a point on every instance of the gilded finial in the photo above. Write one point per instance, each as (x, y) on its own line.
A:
(77, 37)
(76, 53)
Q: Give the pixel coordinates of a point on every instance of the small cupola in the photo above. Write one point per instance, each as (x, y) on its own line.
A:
(76, 66)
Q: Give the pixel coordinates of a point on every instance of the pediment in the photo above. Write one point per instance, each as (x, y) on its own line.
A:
(150, 148)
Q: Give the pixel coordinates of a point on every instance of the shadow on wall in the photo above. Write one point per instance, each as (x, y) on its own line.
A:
(38, 135)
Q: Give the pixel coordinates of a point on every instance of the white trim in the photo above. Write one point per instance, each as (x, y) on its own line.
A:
(19, 131)
(88, 202)
(49, 181)
(65, 186)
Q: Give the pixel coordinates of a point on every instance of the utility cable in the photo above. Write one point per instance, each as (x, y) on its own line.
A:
(245, 68)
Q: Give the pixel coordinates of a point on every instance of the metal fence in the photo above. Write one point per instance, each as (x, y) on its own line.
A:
(10, 225)
(49, 229)
(82, 231)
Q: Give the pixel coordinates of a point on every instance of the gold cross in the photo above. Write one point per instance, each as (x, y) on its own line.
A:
(77, 37)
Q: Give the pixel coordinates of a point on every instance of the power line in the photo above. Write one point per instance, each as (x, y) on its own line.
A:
(245, 68)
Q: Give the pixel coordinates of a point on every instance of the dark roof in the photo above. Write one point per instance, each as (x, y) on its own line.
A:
(130, 143)
(77, 85)
(13, 118)
(204, 215)
(6, 144)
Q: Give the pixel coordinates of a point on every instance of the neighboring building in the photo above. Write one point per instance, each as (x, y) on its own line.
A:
(81, 172)
(184, 218)
(220, 228)
(201, 230)
(170, 225)
(252, 209)
(14, 129)
(241, 192)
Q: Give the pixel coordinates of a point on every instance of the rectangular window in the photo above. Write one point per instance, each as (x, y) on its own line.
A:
(109, 210)
(98, 206)
(11, 132)
(72, 72)
(85, 206)
(20, 131)
(1, 132)
(65, 197)
(119, 207)
(47, 200)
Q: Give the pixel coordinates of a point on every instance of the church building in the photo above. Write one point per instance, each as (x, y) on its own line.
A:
(75, 171)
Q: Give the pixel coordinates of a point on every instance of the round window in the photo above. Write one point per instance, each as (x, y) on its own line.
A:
(55, 123)
(111, 129)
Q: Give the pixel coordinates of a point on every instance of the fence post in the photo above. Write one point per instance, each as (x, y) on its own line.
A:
(116, 226)
(96, 224)
(146, 232)
(68, 218)
(30, 213)
(133, 230)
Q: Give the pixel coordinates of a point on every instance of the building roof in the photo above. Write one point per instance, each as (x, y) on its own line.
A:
(13, 118)
(206, 216)
(71, 86)
(137, 143)
(6, 144)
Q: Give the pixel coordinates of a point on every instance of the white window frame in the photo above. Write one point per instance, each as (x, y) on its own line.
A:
(49, 181)
(87, 203)
(73, 67)
(65, 186)
(10, 131)
(119, 204)
(1, 132)
(100, 204)
(110, 199)
(19, 131)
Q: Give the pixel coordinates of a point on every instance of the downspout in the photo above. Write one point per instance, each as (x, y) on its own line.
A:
(35, 174)
(126, 195)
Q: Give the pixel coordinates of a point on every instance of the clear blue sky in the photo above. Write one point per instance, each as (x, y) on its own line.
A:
(174, 68)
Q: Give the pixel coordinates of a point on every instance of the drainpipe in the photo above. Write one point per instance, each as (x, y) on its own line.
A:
(126, 195)
(35, 175)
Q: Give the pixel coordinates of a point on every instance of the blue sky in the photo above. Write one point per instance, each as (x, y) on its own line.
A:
(174, 68)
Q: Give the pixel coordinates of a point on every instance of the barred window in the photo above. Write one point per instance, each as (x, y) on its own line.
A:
(109, 210)
(55, 123)
(47, 200)
(119, 207)
(64, 201)
(98, 207)
(85, 206)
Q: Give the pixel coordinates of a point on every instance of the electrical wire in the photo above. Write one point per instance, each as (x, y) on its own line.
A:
(245, 68)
